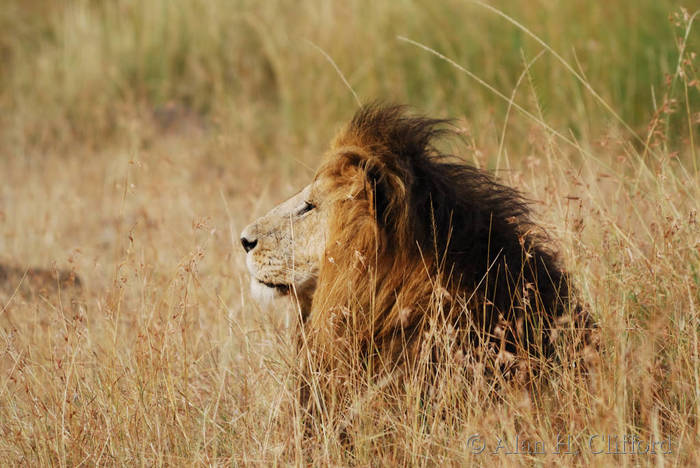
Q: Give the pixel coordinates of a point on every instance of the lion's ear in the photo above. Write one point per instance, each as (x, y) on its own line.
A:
(372, 178)
(388, 193)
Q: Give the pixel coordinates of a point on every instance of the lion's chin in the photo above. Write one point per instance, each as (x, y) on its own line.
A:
(266, 292)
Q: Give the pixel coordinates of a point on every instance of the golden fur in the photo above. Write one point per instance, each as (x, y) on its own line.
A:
(410, 246)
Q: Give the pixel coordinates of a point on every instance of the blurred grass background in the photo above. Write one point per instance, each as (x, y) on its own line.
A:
(73, 69)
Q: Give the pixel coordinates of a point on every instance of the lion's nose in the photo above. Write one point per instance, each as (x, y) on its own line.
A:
(248, 244)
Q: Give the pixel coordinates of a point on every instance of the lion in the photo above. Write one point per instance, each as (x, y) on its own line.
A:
(394, 242)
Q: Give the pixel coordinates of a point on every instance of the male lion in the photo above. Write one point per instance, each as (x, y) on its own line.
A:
(394, 243)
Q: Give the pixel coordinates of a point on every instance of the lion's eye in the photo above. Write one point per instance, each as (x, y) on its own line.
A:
(308, 206)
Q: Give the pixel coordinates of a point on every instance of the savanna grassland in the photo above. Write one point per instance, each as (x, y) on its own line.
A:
(137, 139)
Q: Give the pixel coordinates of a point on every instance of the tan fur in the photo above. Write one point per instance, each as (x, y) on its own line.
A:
(404, 245)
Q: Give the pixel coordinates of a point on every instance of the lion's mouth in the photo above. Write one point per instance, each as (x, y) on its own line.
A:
(279, 287)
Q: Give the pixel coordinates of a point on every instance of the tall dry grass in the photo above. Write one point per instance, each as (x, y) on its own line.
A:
(138, 138)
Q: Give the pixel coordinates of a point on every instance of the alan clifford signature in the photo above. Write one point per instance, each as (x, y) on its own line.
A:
(597, 444)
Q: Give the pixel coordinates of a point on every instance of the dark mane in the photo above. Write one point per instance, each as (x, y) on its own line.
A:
(428, 262)
(476, 233)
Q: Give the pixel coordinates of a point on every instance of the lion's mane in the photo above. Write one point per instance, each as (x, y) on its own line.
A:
(422, 243)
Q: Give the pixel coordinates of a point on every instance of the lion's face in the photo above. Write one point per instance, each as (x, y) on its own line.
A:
(284, 247)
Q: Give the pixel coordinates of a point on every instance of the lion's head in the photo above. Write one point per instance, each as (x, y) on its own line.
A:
(393, 237)
(285, 246)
